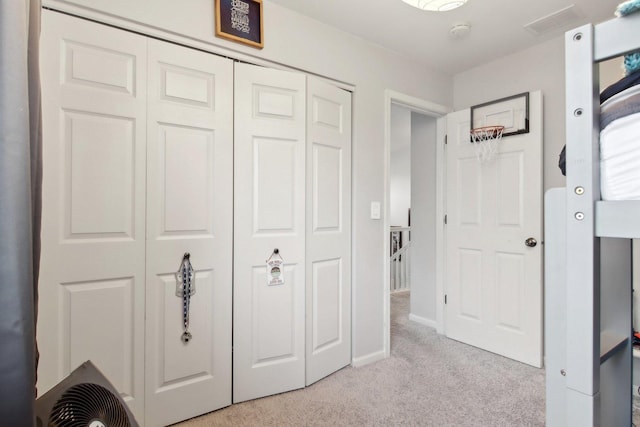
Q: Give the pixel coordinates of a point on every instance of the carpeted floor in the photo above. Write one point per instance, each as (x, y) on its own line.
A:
(429, 380)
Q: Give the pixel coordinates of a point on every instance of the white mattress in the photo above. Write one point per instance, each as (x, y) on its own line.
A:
(620, 159)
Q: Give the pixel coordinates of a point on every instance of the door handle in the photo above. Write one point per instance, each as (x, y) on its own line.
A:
(531, 242)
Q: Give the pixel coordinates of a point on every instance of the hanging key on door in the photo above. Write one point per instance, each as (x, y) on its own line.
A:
(185, 289)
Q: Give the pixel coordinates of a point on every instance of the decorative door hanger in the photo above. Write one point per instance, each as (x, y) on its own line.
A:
(275, 269)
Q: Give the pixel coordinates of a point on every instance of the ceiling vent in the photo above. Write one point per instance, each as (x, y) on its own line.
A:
(561, 20)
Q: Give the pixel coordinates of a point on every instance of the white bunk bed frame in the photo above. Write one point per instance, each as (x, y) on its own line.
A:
(588, 290)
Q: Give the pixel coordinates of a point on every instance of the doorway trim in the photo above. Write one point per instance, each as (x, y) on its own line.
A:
(433, 110)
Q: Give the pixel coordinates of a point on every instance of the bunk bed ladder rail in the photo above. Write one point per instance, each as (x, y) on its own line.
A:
(583, 181)
(595, 361)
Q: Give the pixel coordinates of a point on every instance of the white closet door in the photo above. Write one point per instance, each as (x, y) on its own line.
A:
(269, 199)
(328, 261)
(91, 304)
(189, 209)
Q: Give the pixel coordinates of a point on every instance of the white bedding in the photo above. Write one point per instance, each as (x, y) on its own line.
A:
(620, 158)
(620, 105)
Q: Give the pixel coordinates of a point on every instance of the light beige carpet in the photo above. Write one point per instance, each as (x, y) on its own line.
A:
(429, 380)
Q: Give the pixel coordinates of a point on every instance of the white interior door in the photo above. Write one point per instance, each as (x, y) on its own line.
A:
(493, 279)
(91, 304)
(328, 263)
(269, 203)
(189, 210)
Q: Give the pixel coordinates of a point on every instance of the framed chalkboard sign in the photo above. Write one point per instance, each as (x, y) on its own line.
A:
(240, 21)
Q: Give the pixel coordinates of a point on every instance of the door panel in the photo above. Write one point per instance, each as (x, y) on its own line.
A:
(100, 153)
(510, 185)
(470, 264)
(470, 201)
(91, 304)
(273, 341)
(86, 305)
(328, 230)
(269, 200)
(509, 281)
(494, 281)
(275, 199)
(189, 209)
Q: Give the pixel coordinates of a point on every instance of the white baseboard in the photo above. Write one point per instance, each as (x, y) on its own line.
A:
(423, 321)
(357, 362)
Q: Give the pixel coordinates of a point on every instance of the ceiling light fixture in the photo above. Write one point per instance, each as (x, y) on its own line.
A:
(436, 5)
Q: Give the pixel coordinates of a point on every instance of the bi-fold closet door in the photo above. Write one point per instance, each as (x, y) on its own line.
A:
(139, 169)
(189, 209)
(292, 193)
(138, 138)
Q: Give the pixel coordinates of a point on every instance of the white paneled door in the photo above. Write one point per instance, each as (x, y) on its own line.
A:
(493, 278)
(269, 203)
(189, 210)
(328, 264)
(91, 291)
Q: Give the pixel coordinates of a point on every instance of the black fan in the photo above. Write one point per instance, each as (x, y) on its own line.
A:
(84, 399)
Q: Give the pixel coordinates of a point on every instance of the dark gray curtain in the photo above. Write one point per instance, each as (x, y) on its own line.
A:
(20, 206)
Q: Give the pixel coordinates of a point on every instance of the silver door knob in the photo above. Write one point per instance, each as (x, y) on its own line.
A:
(531, 242)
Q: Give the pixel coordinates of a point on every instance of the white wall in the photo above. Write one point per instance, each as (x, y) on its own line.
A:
(400, 168)
(423, 219)
(610, 72)
(303, 43)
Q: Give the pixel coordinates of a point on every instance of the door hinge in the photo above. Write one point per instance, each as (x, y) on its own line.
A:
(445, 298)
(445, 220)
(446, 139)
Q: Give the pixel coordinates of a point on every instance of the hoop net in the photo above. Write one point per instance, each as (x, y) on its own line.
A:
(485, 141)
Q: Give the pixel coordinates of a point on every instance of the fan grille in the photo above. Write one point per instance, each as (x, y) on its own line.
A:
(88, 404)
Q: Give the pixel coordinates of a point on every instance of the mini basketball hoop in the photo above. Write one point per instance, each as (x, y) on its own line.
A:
(485, 141)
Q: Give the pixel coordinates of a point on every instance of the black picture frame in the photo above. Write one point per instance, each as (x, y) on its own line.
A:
(240, 21)
(511, 112)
